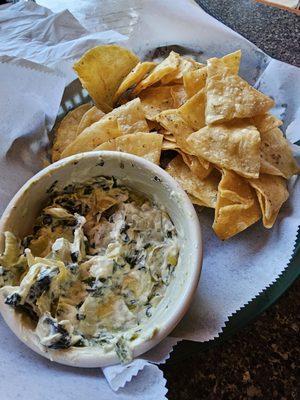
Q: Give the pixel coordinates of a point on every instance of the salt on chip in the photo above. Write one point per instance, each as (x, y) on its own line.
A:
(134, 77)
(185, 65)
(193, 111)
(194, 81)
(272, 193)
(276, 155)
(89, 117)
(228, 96)
(128, 118)
(236, 208)
(146, 145)
(204, 190)
(101, 71)
(234, 146)
(155, 100)
(168, 65)
(67, 130)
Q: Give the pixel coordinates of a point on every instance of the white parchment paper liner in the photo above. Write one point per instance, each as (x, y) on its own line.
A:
(234, 272)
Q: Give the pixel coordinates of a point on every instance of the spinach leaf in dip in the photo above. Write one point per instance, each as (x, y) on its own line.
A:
(96, 265)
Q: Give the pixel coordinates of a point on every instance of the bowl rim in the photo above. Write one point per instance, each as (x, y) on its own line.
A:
(78, 357)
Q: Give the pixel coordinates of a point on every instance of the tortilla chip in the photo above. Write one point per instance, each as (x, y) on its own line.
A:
(67, 130)
(232, 61)
(172, 121)
(125, 119)
(196, 201)
(169, 145)
(101, 71)
(229, 96)
(134, 77)
(89, 117)
(272, 193)
(168, 65)
(185, 65)
(276, 155)
(155, 100)
(204, 190)
(146, 145)
(194, 81)
(178, 94)
(196, 165)
(234, 146)
(193, 111)
(237, 207)
(265, 122)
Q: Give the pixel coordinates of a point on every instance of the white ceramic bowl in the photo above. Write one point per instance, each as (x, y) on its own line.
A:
(136, 173)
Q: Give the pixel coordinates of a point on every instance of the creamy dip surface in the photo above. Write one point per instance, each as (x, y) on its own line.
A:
(97, 264)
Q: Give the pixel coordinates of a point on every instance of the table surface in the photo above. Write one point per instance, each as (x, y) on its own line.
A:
(260, 361)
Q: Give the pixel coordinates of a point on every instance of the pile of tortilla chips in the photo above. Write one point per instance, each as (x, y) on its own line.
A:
(229, 153)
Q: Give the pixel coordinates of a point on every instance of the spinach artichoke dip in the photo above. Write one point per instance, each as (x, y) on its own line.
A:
(97, 264)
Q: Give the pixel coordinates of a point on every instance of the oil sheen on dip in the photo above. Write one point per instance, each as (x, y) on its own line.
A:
(97, 264)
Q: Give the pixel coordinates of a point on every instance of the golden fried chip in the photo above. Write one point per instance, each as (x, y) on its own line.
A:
(237, 207)
(128, 118)
(272, 193)
(178, 94)
(67, 130)
(168, 65)
(185, 65)
(193, 111)
(196, 201)
(229, 96)
(234, 146)
(169, 145)
(204, 190)
(168, 135)
(89, 117)
(265, 122)
(172, 121)
(232, 61)
(194, 81)
(155, 100)
(146, 145)
(134, 77)
(276, 155)
(101, 71)
(196, 165)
